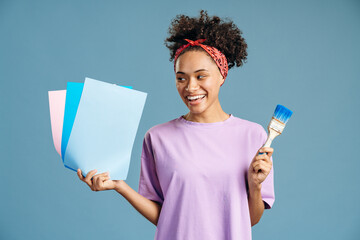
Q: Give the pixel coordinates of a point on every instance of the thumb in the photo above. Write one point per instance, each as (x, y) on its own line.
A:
(261, 151)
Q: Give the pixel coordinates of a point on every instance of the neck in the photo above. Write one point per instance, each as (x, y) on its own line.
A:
(208, 116)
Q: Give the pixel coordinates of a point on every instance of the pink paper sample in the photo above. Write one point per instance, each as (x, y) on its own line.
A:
(57, 107)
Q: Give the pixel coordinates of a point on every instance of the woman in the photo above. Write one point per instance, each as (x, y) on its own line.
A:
(201, 176)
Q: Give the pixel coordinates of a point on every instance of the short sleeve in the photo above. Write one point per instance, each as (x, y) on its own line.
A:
(149, 185)
(267, 186)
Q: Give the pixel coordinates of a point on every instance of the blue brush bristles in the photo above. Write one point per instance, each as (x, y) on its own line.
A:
(282, 113)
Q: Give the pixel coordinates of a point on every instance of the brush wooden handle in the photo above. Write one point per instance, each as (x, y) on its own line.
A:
(272, 135)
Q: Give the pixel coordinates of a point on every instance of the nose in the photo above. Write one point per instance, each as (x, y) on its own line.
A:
(192, 86)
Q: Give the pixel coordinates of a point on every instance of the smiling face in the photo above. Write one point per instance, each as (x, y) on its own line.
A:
(197, 75)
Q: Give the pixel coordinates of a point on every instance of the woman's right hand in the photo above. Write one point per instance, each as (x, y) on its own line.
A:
(98, 182)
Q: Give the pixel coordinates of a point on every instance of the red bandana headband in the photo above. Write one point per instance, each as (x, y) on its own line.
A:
(218, 56)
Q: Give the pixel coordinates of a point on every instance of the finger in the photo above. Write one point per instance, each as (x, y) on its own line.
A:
(102, 174)
(264, 166)
(101, 181)
(89, 176)
(106, 177)
(263, 157)
(261, 164)
(255, 163)
(97, 177)
(260, 158)
(257, 167)
(266, 161)
(261, 168)
(80, 174)
(268, 150)
(96, 184)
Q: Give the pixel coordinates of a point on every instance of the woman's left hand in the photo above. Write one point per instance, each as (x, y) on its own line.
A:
(260, 167)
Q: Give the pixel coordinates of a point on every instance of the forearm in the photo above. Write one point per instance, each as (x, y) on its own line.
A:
(256, 204)
(149, 209)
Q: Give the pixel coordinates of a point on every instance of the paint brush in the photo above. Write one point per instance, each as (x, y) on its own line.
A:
(277, 123)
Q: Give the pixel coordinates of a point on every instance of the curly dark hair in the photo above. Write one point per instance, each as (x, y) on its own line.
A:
(223, 35)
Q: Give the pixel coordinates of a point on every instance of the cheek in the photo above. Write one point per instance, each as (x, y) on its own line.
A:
(211, 87)
(180, 89)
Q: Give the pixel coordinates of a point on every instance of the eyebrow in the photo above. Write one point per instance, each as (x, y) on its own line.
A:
(199, 70)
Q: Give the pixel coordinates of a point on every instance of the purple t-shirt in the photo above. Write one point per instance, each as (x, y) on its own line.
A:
(197, 172)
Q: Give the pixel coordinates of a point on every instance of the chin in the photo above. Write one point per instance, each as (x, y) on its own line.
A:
(196, 111)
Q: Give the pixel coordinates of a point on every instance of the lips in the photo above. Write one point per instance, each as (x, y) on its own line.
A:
(196, 101)
(194, 95)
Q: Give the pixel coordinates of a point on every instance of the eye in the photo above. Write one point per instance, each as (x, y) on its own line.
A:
(180, 78)
(201, 76)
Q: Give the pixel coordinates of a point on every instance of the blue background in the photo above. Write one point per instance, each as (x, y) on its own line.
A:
(302, 54)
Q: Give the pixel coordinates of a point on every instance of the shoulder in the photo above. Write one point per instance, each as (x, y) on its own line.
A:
(251, 127)
(161, 129)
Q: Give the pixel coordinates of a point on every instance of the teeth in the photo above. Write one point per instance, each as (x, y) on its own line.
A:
(195, 97)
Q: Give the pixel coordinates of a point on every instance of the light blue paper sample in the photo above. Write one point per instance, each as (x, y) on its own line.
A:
(73, 95)
(104, 129)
